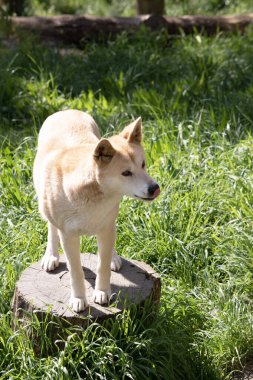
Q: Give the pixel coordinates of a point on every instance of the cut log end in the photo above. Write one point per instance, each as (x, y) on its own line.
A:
(43, 292)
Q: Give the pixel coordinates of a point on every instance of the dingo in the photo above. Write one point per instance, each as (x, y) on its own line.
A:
(80, 179)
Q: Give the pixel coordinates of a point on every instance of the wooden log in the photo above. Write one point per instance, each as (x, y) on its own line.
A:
(41, 292)
(77, 29)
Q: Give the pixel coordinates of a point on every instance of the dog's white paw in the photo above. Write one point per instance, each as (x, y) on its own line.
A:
(116, 262)
(78, 304)
(49, 262)
(101, 297)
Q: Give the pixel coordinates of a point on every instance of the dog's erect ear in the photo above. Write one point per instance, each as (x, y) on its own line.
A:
(104, 151)
(132, 133)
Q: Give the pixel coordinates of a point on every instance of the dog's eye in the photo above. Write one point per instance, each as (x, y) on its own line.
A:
(127, 173)
(143, 164)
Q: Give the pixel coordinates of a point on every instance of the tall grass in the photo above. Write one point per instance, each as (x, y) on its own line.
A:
(195, 97)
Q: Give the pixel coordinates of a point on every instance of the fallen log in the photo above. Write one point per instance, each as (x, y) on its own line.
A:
(78, 29)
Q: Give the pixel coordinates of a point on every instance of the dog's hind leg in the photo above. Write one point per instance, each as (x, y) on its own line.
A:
(50, 260)
(106, 239)
(71, 247)
(116, 262)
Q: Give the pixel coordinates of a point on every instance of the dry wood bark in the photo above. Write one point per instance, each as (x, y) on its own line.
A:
(154, 7)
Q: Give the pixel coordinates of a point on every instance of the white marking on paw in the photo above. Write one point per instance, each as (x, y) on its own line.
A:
(78, 304)
(101, 297)
(49, 262)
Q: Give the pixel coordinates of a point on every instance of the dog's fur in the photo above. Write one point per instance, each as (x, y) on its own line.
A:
(80, 179)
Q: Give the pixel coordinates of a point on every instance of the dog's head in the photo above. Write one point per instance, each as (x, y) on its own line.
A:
(120, 165)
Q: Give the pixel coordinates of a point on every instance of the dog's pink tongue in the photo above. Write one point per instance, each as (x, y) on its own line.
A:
(157, 192)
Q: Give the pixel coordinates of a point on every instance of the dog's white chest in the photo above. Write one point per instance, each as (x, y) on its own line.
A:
(89, 220)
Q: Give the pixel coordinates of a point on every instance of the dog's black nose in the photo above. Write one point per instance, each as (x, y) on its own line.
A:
(153, 188)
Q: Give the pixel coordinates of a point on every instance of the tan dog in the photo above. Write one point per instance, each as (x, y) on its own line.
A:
(80, 180)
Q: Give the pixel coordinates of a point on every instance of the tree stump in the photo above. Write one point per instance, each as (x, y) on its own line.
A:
(43, 293)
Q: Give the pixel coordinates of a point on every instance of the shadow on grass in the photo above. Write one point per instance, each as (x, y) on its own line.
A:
(147, 74)
(138, 344)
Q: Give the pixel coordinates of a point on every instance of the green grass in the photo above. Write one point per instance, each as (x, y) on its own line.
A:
(195, 96)
(128, 7)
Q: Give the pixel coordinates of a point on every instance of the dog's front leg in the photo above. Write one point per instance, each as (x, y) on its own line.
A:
(71, 247)
(50, 260)
(106, 239)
